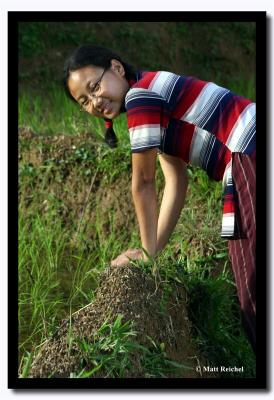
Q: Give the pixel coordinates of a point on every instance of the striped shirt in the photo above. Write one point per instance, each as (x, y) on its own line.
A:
(198, 121)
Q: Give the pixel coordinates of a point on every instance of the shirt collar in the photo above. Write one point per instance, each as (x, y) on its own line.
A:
(132, 82)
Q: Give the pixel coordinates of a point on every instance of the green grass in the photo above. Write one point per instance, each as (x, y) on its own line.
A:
(40, 247)
(215, 315)
(112, 352)
(54, 113)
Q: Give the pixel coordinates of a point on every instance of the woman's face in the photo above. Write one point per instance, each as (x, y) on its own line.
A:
(99, 97)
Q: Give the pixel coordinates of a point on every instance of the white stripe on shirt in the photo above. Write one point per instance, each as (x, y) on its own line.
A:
(205, 104)
(198, 140)
(146, 136)
(136, 93)
(163, 84)
(234, 140)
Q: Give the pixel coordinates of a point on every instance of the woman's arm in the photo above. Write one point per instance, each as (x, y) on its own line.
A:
(145, 202)
(144, 197)
(176, 182)
(155, 232)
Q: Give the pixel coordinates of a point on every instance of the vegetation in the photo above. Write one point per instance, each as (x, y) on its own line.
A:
(75, 210)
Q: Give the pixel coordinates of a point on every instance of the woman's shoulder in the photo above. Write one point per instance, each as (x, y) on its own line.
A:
(164, 83)
(152, 83)
(151, 80)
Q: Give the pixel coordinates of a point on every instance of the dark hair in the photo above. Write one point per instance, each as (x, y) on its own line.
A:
(89, 54)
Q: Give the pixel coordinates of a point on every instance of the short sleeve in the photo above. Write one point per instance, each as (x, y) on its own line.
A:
(147, 119)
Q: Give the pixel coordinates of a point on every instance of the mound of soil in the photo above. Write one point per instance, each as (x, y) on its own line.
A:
(136, 295)
(64, 184)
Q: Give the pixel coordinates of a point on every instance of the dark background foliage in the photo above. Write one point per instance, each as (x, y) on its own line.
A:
(223, 52)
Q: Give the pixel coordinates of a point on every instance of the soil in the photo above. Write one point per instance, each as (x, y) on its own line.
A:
(136, 295)
(60, 184)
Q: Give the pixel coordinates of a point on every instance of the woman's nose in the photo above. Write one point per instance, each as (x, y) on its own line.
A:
(97, 102)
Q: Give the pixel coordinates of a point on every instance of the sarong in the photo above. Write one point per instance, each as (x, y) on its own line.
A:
(242, 249)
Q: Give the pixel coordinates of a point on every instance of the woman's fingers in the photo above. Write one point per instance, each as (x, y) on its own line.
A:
(135, 254)
(125, 257)
(120, 261)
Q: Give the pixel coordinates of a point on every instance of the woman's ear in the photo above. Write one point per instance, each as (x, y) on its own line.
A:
(116, 66)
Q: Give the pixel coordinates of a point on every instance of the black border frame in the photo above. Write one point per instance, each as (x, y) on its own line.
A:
(260, 382)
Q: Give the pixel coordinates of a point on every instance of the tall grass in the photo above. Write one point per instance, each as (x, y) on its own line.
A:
(52, 112)
(40, 248)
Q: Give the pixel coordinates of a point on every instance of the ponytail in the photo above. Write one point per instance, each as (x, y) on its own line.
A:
(110, 137)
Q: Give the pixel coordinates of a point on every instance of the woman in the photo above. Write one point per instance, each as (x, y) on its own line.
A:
(183, 120)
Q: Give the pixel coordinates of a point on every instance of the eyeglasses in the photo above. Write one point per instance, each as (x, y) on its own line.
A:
(93, 91)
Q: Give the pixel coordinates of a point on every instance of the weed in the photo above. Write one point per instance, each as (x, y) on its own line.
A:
(26, 365)
(114, 354)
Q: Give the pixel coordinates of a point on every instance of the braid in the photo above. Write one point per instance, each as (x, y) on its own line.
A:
(110, 137)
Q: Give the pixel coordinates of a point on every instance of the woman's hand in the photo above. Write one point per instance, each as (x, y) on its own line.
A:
(125, 257)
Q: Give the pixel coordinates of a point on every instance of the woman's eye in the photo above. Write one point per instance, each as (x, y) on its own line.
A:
(97, 87)
(92, 89)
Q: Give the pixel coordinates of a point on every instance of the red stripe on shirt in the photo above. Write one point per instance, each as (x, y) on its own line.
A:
(183, 141)
(224, 157)
(229, 119)
(145, 81)
(145, 116)
(189, 94)
(229, 205)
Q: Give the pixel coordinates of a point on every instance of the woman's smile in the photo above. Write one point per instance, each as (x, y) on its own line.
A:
(105, 109)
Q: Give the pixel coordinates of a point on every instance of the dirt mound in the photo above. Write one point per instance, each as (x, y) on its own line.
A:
(136, 295)
(65, 175)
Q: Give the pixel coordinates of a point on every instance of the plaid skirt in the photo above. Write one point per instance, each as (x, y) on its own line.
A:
(242, 249)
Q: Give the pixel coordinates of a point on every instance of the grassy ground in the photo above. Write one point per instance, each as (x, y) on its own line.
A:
(76, 214)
